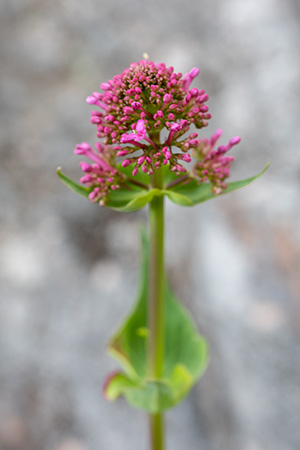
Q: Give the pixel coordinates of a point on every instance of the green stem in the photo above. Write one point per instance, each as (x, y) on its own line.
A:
(156, 302)
(156, 309)
(156, 287)
(157, 432)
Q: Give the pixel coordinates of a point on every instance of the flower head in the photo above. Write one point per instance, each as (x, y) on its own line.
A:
(132, 109)
(140, 102)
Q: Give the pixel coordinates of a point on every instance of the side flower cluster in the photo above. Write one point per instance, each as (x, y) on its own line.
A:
(212, 164)
(132, 109)
(102, 174)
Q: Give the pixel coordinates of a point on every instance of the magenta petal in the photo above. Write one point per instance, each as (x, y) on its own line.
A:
(194, 72)
(140, 126)
(235, 140)
(128, 137)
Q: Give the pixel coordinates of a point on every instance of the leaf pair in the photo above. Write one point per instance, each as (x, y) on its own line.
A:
(135, 197)
(185, 353)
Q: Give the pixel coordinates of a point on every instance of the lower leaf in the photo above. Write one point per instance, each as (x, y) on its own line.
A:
(185, 359)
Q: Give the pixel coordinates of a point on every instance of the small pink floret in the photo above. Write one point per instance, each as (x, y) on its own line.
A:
(186, 158)
(140, 133)
(91, 100)
(167, 98)
(194, 72)
(126, 162)
(235, 140)
(105, 86)
(122, 153)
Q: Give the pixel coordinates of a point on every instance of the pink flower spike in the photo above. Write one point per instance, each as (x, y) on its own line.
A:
(134, 172)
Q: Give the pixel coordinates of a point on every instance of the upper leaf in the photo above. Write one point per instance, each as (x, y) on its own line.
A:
(197, 193)
(135, 194)
(78, 188)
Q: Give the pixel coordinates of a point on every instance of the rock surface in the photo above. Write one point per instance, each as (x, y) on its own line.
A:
(68, 269)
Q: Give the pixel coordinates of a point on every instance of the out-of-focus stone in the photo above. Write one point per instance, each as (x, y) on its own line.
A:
(68, 269)
(71, 444)
(13, 432)
(266, 316)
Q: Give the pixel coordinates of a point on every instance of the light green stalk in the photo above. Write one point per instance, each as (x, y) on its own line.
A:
(156, 302)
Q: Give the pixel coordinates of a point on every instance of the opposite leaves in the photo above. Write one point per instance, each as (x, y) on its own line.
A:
(132, 197)
(185, 353)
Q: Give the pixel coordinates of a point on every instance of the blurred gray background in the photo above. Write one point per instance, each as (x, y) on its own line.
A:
(69, 268)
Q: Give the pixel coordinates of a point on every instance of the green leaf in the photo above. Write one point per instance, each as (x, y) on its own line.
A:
(133, 197)
(116, 384)
(140, 176)
(186, 353)
(133, 200)
(180, 199)
(79, 189)
(125, 199)
(197, 193)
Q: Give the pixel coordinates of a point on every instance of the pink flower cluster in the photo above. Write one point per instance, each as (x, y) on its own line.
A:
(102, 174)
(140, 102)
(132, 110)
(213, 165)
